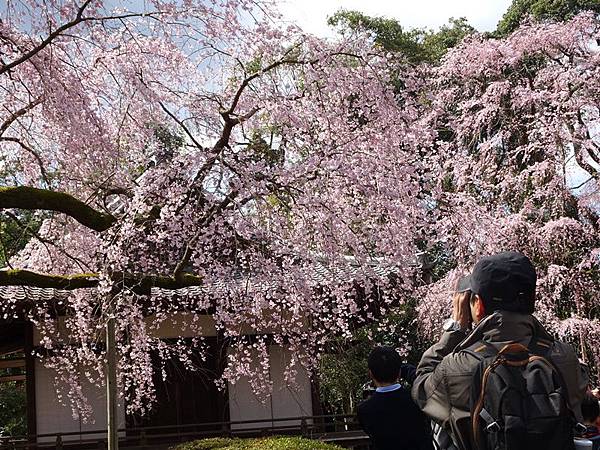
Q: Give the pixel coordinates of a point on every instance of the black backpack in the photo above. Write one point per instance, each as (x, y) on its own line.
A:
(519, 399)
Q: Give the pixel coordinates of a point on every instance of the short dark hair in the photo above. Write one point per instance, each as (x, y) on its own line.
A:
(590, 409)
(384, 363)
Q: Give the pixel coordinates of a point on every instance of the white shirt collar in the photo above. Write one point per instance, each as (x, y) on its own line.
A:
(393, 387)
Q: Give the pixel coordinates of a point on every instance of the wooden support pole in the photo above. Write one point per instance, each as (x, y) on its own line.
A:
(111, 383)
(30, 384)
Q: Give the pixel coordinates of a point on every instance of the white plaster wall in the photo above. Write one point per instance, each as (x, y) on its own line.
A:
(54, 417)
(289, 400)
(183, 325)
(285, 401)
(244, 405)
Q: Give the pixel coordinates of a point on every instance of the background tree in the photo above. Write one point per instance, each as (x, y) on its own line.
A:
(416, 45)
(517, 160)
(518, 167)
(343, 371)
(542, 10)
(13, 420)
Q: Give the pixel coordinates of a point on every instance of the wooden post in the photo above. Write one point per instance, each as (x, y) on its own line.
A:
(30, 384)
(111, 383)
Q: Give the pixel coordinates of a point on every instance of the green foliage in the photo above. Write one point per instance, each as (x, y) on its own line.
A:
(254, 65)
(167, 138)
(168, 141)
(264, 150)
(13, 409)
(437, 43)
(388, 33)
(556, 10)
(16, 231)
(440, 259)
(343, 371)
(268, 443)
(416, 45)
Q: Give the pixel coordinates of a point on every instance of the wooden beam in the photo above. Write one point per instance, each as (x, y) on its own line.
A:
(12, 363)
(9, 378)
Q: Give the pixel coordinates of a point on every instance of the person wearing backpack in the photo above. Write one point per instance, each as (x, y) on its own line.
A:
(507, 384)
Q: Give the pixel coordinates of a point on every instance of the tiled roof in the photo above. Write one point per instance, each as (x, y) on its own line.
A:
(321, 275)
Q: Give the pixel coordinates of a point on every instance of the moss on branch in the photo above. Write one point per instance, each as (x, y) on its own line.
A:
(25, 197)
(21, 277)
(139, 283)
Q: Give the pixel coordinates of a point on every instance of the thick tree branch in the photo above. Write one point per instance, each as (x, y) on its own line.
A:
(139, 283)
(142, 283)
(24, 197)
(21, 277)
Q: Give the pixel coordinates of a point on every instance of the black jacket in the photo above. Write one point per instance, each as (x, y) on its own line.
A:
(394, 422)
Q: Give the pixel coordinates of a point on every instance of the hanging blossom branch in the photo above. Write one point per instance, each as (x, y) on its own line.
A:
(52, 36)
(24, 197)
(78, 19)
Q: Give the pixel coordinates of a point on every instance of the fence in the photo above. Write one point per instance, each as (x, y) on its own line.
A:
(339, 429)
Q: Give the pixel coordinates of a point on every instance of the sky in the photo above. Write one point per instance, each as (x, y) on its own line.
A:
(312, 15)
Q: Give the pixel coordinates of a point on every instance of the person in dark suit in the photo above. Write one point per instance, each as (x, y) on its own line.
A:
(390, 417)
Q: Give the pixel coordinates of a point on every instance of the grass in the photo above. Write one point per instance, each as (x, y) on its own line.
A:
(266, 443)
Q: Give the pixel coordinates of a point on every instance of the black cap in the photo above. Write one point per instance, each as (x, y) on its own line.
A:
(504, 281)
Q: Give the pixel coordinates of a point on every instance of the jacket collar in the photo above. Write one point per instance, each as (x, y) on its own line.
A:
(504, 327)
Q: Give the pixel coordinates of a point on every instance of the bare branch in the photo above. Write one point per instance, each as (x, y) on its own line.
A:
(580, 185)
(182, 125)
(76, 21)
(46, 242)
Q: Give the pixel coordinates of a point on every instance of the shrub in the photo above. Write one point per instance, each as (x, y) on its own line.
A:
(268, 443)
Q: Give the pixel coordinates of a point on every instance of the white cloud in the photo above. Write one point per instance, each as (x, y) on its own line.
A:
(312, 15)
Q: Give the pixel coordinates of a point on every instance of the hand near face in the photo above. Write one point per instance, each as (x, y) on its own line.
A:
(461, 310)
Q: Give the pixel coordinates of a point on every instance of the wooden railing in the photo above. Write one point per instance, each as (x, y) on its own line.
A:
(340, 429)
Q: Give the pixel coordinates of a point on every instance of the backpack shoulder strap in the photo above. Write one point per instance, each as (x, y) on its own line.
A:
(540, 347)
(480, 350)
